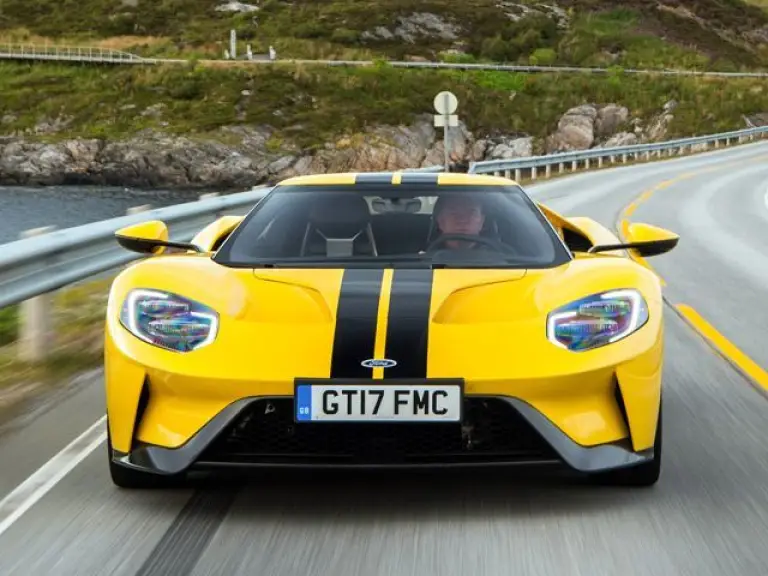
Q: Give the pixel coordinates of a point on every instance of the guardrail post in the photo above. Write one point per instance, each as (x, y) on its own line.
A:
(717, 143)
(600, 162)
(561, 168)
(624, 158)
(574, 165)
(533, 173)
(35, 330)
(548, 171)
(518, 174)
(586, 163)
(138, 209)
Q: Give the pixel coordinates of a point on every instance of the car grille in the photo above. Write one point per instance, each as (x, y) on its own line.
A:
(265, 433)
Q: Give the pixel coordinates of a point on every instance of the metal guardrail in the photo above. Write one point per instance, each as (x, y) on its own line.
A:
(9, 51)
(43, 52)
(498, 167)
(525, 68)
(41, 264)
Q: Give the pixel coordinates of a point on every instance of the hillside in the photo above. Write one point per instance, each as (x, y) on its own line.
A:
(236, 126)
(714, 34)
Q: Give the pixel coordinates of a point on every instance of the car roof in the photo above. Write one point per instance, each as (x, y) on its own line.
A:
(397, 178)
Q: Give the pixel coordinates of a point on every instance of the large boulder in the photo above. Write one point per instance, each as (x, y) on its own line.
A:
(575, 130)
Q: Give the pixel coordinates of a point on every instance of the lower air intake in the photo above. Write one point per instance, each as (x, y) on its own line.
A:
(265, 433)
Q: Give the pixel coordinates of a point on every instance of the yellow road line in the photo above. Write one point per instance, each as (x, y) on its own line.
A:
(748, 366)
(380, 344)
(632, 206)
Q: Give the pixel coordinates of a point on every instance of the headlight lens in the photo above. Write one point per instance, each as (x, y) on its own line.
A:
(168, 320)
(597, 320)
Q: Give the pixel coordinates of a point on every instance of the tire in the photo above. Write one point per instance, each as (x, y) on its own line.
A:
(130, 478)
(640, 476)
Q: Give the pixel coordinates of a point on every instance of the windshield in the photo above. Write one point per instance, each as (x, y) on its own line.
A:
(395, 225)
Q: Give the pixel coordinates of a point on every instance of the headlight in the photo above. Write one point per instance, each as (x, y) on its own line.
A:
(168, 320)
(597, 320)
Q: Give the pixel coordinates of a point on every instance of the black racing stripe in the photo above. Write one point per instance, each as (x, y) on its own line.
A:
(374, 178)
(355, 335)
(429, 178)
(408, 323)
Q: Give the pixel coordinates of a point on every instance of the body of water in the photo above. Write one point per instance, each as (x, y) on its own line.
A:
(22, 208)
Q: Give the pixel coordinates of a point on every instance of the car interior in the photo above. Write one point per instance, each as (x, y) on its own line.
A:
(350, 225)
(347, 225)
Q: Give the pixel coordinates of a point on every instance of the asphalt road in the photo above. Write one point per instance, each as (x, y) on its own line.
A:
(707, 516)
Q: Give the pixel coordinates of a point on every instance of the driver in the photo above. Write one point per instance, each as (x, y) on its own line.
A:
(459, 215)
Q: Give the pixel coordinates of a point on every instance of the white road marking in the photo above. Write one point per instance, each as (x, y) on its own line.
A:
(26, 494)
(765, 198)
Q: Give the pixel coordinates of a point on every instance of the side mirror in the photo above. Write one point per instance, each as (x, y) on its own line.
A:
(647, 240)
(149, 237)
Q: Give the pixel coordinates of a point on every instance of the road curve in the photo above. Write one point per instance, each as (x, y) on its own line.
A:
(707, 515)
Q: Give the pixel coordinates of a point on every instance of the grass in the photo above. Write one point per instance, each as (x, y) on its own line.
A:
(78, 316)
(311, 105)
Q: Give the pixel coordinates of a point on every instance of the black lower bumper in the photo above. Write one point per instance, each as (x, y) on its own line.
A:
(261, 432)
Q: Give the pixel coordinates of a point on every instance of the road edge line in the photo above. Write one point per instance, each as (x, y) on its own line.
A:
(32, 490)
(750, 370)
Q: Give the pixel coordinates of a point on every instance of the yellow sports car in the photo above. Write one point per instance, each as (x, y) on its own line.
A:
(387, 319)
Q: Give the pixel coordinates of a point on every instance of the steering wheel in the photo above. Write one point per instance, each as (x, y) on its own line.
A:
(467, 237)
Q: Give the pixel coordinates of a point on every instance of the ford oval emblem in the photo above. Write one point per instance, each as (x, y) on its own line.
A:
(378, 363)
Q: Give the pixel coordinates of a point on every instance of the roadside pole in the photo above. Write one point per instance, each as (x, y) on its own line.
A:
(445, 104)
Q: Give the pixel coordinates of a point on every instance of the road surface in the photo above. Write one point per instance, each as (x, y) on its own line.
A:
(707, 516)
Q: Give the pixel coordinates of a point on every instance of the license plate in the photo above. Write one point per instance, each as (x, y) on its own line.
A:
(376, 403)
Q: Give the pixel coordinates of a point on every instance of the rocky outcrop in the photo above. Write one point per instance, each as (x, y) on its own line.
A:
(610, 119)
(575, 130)
(414, 27)
(620, 139)
(517, 11)
(592, 126)
(148, 159)
(234, 6)
(152, 159)
(243, 156)
(760, 119)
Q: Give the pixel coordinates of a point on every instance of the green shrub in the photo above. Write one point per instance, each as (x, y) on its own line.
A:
(9, 324)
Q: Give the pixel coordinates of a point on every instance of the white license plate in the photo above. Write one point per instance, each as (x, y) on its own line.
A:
(373, 403)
